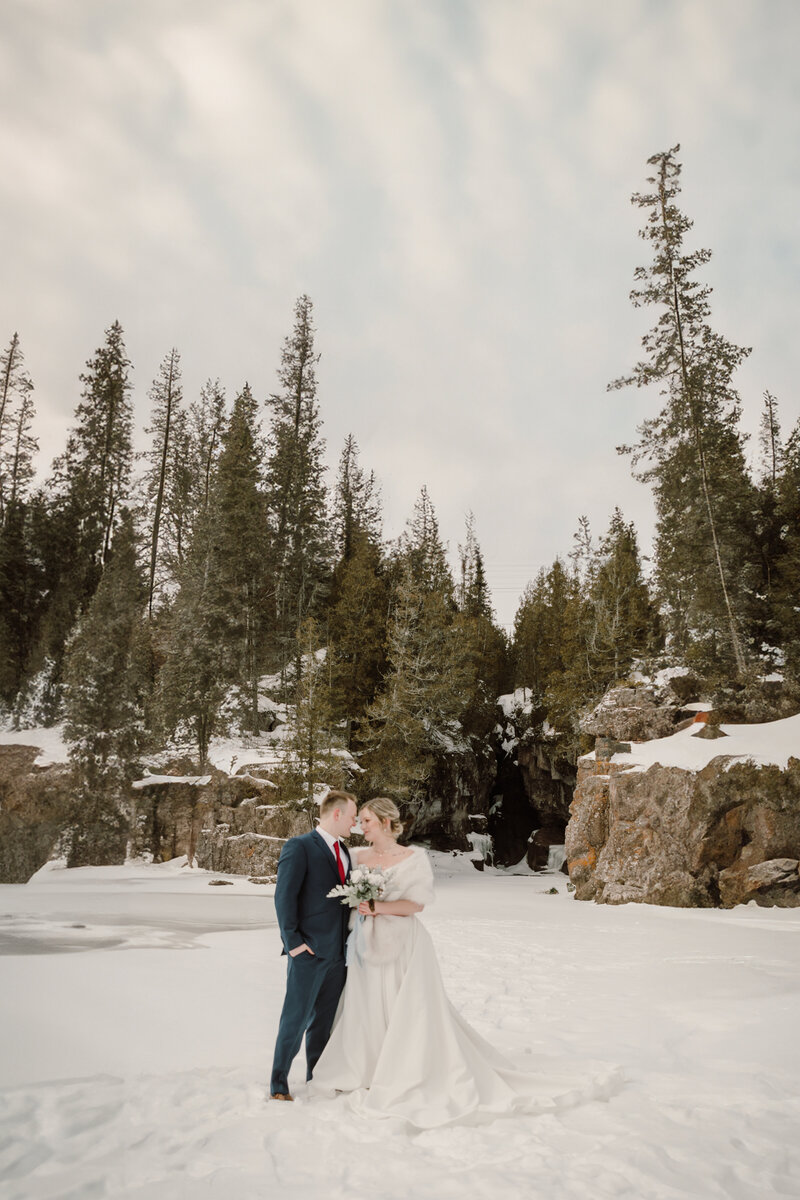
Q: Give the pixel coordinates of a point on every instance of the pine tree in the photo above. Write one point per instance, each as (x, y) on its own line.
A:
(692, 449)
(414, 713)
(167, 428)
(770, 525)
(311, 746)
(473, 593)
(769, 438)
(216, 636)
(206, 426)
(583, 554)
(421, 548)
(301, 551)
(623, 621)
(19, 598)
(107, 682)
(785, 608)
(538, 641)
(356, 504)
(191, 686)
(17, 445)
(480, 646)
(92, 477)
(419, 710)
(238, 582)
(357, 630)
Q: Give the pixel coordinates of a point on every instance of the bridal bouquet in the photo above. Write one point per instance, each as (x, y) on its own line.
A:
(365, 883)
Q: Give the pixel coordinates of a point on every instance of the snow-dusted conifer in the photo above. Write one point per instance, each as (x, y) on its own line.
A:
(164, 485)
(107, 676)
(356, 502)
(692, 449)
(301, 544)
(17, 445)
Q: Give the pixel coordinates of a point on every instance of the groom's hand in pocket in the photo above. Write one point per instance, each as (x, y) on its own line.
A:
(299, 950)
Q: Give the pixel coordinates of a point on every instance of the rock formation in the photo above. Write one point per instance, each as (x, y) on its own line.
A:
(34, 810)
(725, 834)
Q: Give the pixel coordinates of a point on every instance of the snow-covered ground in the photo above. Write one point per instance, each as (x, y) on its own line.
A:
(138, 1008)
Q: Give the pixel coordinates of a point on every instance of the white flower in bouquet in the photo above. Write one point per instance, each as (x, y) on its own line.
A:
(364, 884)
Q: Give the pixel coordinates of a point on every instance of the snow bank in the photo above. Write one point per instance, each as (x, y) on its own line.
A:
(773, 742)
(150, 780)
(51, 744)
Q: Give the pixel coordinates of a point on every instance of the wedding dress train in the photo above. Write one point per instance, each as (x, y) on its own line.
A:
(398, 1046)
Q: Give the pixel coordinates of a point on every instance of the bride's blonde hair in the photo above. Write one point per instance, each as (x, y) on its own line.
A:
(382, 807)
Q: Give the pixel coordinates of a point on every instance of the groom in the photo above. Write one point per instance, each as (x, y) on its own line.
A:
(313, 929)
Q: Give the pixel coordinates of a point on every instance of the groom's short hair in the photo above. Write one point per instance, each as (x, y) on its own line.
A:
(335, 800)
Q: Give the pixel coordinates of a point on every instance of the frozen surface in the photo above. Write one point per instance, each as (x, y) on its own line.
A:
(134, 1061)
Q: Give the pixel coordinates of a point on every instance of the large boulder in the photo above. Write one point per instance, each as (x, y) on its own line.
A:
(638, 713)
(34, 811)
(722, 835)
(250, 836)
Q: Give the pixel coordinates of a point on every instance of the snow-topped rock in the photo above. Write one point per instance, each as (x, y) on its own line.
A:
(686, 821)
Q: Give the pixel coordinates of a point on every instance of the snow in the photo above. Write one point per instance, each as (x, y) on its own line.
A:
(773, 742)
(150, 780)
(52, 747)
(663, 676)
(517, 702)
(144, 1003)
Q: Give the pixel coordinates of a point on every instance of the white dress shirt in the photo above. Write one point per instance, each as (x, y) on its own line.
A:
(331, 841)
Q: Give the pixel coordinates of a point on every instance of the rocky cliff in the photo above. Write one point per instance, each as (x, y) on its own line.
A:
(687, 825)
(34, 810)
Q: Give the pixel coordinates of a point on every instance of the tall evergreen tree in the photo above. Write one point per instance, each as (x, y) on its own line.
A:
(301, 550)
(421, 548)
(539, 652)
(215, 640)
(191, 686)
(92, 477)
(692, 449)
(165, 495)
(769, 440)
(20, 591)
(416, 712)
(107, 682)
(206, 426)
(785, 608)
(473, 590)
(357, 629)
(17, 445)
(623, 623)
(311, 746)
(356, 503)
(238, 583)
(419, 710)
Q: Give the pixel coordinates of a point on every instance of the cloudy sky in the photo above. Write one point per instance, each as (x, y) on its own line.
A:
(449, 180)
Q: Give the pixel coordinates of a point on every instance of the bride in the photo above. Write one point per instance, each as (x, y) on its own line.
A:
(397, 1045)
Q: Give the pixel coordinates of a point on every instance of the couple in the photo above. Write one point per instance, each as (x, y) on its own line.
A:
(379, 1027)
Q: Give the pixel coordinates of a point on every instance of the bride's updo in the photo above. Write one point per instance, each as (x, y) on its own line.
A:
(382, 807)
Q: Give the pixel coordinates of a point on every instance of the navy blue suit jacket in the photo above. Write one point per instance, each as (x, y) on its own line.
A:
(306, 873)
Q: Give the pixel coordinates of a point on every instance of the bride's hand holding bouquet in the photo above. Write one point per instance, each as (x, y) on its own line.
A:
(365, 886)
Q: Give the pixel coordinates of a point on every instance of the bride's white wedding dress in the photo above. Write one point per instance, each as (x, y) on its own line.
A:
(400, 1049)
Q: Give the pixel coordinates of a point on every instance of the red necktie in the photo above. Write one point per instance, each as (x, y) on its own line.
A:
(339, 862)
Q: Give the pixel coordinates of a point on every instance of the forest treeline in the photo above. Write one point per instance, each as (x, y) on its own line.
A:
(144, 598)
